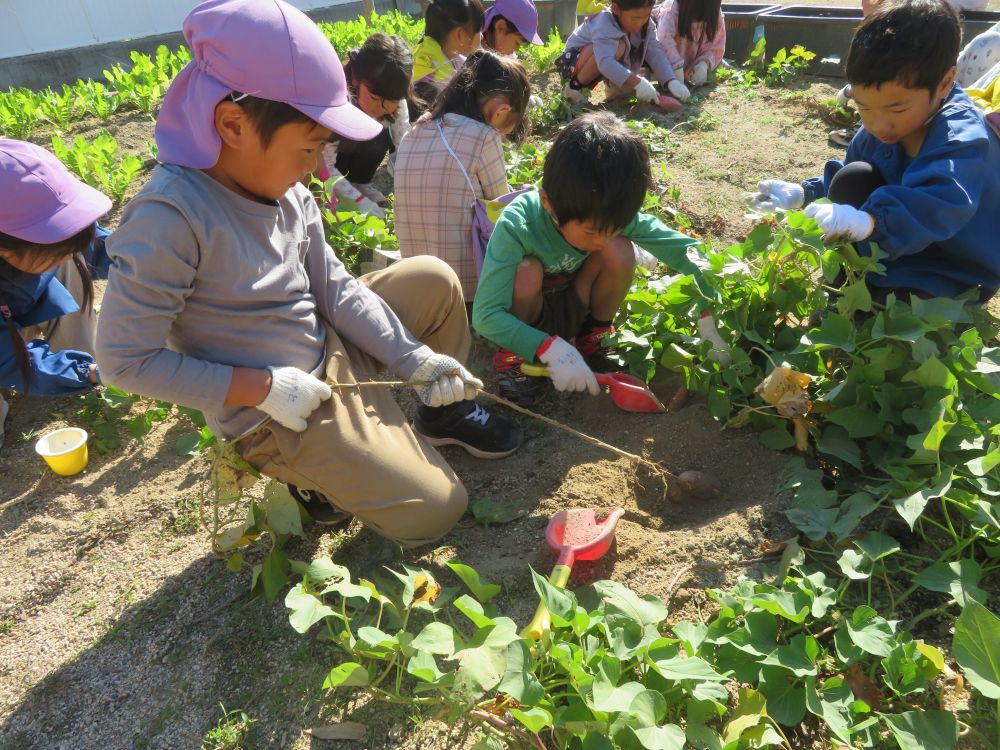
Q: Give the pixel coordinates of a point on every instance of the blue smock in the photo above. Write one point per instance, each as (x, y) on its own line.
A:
(32, 299)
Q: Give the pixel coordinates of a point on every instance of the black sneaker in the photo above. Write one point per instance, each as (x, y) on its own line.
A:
(319, 508)
(469, 425)
(512, 383)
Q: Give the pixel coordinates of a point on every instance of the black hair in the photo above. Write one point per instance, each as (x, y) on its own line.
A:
(268, 115)
(75, 247)
(691, 11)
(484, 76)
(597, 170)
(634, 4)
(912, 42)
(444, 15)
(384, 64)
(490, 35)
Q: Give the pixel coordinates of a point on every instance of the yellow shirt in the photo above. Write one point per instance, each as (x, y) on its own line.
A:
(431, 64)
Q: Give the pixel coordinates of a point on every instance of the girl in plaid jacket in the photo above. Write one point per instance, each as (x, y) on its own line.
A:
(453, 156)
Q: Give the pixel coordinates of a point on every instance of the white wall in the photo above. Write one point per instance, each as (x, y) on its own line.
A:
(30, 26)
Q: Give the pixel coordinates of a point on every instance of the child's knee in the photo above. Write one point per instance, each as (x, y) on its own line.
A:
(433, 276)
(854, 183)
(435, 515)
(619, 256)
(528, 279)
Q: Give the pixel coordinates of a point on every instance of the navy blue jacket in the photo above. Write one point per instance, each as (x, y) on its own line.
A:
(938, 215)
(32, 299)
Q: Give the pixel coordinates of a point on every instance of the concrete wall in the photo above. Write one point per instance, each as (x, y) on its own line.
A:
(51, 42)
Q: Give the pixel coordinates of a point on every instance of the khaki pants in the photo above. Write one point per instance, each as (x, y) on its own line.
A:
(359, 449)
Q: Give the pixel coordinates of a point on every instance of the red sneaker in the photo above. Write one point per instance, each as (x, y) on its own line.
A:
(595, 351)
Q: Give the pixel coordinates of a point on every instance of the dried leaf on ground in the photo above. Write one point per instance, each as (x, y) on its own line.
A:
(863, 687)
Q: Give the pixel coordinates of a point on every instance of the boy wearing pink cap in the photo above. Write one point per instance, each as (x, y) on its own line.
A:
(509, 24)
(50, 247)
(225, 296)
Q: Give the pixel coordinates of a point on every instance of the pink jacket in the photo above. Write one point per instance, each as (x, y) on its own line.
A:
(681, 50)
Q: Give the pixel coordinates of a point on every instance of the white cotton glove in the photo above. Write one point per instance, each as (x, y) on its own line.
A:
(448, 382)
(646, 92)
(644, 258)
(566, 367)
(774, 194)
(844, 96)
(294, 395)
(368, 206)
(699, 76)
(678, 90)
(840, 221)
(535, 101)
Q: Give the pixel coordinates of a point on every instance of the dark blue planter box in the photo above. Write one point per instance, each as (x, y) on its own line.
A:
(743, 28)
(975, 22)
(824, 30)
(827, 31)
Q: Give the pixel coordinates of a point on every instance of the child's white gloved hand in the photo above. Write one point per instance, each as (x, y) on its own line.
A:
(566, 366)
(644, 258)
(447, 382)
(844, 95)
(840, 221)
(646, 92)
(699, 75)
(294, 395)
(678, 90)
(535, 101)
(368, 206)
(774, 194)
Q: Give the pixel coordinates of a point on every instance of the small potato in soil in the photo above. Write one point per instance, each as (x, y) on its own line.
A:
(694, 485)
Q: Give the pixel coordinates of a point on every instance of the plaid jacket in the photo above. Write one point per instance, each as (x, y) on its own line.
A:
(434, 204)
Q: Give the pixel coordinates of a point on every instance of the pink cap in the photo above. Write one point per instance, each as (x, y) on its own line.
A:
(40, 201)
(521, 13)
(265, 48)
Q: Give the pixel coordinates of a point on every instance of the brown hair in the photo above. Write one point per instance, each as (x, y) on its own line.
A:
(484, 76)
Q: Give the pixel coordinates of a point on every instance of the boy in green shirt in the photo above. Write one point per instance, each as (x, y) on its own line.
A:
(561, 260)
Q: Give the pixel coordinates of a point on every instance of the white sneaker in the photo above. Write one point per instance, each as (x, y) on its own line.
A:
(371, 193)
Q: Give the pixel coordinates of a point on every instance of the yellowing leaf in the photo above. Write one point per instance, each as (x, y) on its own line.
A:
(785, 389)
(425, 589)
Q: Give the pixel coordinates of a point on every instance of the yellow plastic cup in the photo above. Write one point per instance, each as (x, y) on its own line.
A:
(65, 450)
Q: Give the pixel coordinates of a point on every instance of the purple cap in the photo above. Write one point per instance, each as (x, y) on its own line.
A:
(40, 201)
(265, 48)
(521, 13)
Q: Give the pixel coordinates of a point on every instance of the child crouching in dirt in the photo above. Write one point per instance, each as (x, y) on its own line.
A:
(50, 248)
(613, 46)
(225, 297)
(920, 177)
(560, 261)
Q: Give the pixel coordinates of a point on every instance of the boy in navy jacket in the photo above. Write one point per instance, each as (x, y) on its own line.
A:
(920, 178)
